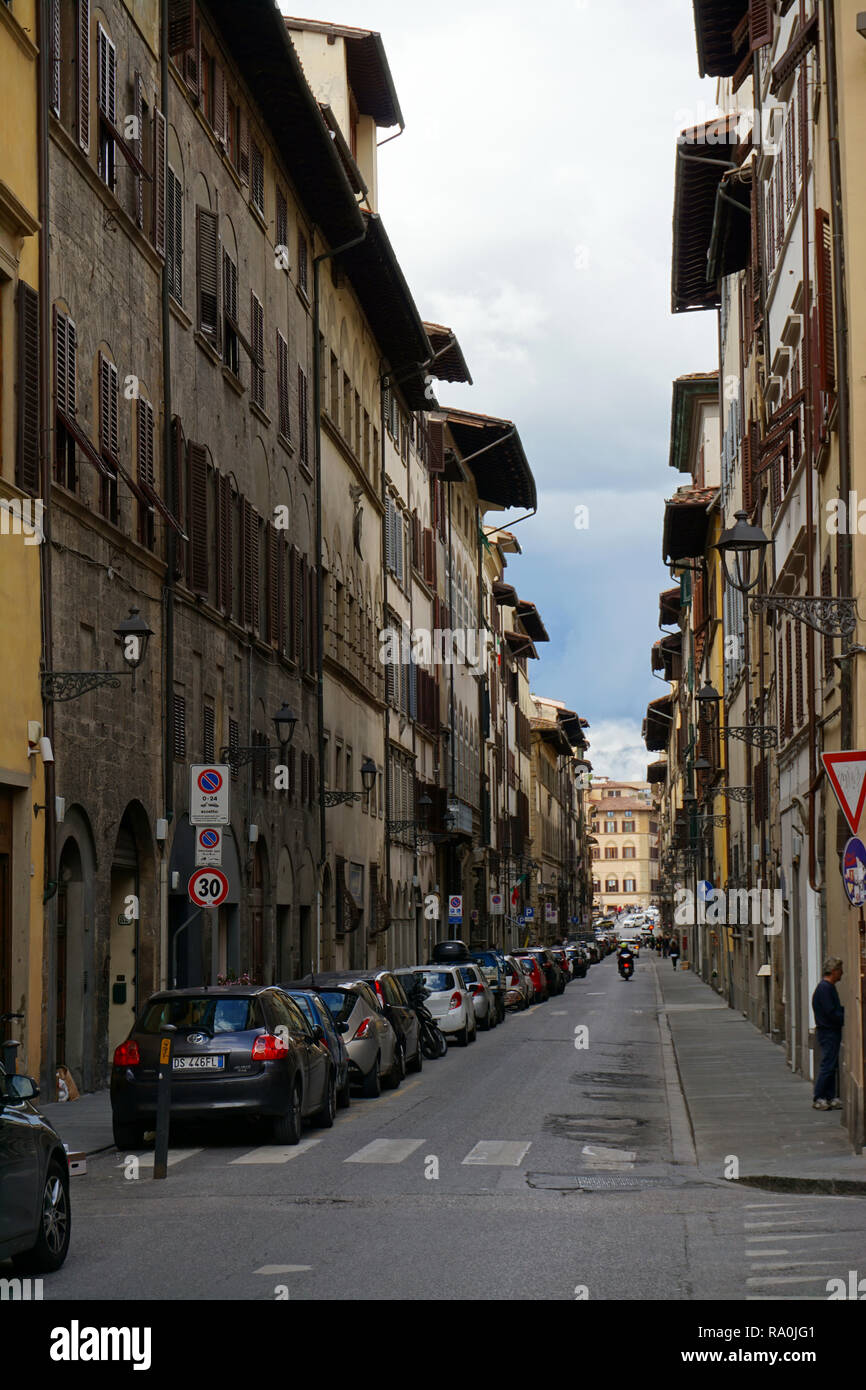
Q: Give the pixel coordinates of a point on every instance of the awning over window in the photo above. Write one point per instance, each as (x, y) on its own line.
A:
(530, 619)
(669, 607)
(502, 473)
(521, 645)
(704, 154)
(658, 724)
(449, 364)
(658, 771)
(731, 240)
(715, 23)
(687, 523)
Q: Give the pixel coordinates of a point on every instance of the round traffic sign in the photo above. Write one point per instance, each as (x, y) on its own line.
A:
(854, 872)
(208, 887)
(209, 839)
(210, 781)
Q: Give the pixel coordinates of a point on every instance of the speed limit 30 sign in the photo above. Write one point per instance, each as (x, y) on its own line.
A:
(208, 887)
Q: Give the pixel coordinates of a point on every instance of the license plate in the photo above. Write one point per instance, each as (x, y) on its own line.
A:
(211, 1063)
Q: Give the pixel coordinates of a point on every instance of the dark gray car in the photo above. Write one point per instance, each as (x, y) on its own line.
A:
(35, 1218)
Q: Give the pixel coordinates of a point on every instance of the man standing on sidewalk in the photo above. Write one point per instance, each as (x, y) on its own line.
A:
(829, 1021)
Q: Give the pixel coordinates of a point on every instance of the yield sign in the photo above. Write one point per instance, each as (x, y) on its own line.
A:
(847, 774)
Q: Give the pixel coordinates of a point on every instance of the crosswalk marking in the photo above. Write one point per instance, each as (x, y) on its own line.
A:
(385, 1151)
(174, 1156)
(283, 1269)
(801, 1221)
(277, 1153)
(791, 1279)
(497, 1153)
(604, 1157)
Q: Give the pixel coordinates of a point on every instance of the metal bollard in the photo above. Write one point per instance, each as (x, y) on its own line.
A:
(163, 1103)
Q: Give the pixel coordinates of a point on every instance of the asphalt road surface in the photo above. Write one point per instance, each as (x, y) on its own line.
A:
(537, 1163)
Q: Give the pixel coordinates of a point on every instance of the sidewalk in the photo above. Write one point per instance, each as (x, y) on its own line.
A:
(83, 1124)
(742, 1098)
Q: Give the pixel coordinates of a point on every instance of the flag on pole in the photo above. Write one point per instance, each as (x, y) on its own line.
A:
(515, 892)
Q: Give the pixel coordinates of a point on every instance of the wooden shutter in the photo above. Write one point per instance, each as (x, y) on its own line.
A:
(257, 342)
(27, 457)
(312, 610)
(283, 387)
(297, 606)
(198, 518)
(159, 177)
(224, 544)
(219, 105)
(106, 73)
(824, 268)
(138, 146)
(244, 143)
(303, 418)
(207, 736)
(798, 674)
(144, 418)
(108, 432)
(272, 543)
(760, 23)
(181, 26)
(54, 81)
(83, 75)
(207, 270)
(178, 723)
(437, 447)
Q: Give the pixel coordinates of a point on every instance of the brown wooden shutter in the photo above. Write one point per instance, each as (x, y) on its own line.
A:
(198, 518)
(146, 470)
(437, 447)
(219, 104)
(83, 75)
(207, 735)
(285, 428)
(303, 418)
(826, 336)
(297, 606)
(159, 176)
(789, 683)
(244, 142)
(178, 723)
(54, 81)
(312, 626)
(181, 26)
(138, 147)
(27, 455)
(760, 23)
(108, 424)
(224, 544)
(272, 544)
(207, 271)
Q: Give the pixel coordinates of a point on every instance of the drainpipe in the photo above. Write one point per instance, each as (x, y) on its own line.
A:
(171, 544)
(47, 437)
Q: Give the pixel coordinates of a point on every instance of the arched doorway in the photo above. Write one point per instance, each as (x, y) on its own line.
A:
(72, 1023)
(285, 964)
(258, 898)
(125, 913)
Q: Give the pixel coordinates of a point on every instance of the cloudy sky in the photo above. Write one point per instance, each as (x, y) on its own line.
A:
(530, 201)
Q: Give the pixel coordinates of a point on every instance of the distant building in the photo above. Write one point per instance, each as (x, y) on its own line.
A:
(625, 857)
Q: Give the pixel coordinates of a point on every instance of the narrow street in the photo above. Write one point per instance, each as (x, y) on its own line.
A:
(560, 1170)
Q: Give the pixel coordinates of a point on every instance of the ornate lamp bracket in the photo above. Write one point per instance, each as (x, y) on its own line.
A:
(832, 617)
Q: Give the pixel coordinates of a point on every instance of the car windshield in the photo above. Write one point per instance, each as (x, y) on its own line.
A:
(208, 1013)
(340, 1002)
(435, 980)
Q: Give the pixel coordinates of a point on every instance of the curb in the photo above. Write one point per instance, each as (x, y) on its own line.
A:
(830, 1187)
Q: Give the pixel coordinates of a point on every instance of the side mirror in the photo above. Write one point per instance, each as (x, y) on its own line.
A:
(342, 1027)
(18, 1088)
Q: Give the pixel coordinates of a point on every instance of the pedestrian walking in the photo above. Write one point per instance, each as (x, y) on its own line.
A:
(666, 946)
(674, 951)
(829, 1022)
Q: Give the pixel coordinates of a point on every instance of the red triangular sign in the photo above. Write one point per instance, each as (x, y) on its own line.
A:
(847, 774)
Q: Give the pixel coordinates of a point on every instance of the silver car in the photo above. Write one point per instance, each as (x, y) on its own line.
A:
(449, 1001)
(482, 995)
(372, 1044)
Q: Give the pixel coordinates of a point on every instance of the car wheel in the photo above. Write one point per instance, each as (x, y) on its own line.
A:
(443, 1044)
(344, 1096)
(486, 1022)
(55, 1219)
(287, 1128)
(372, 1086)
(474, 1034)
(418, 1062)
(325, 1117)
(127, 1136)
(462, 1036)
(398, 1071)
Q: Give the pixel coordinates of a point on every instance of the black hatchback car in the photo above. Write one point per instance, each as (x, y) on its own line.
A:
(236, 1051)
(34, 1181)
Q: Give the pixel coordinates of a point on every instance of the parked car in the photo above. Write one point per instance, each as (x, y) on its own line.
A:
(450, 1002)
(482, 995)
(579, 962)
(399, 1013)
(563, 961)
(319, 1015)
(236, 1051)
(446, 952)
(538, 977)
(553, 974)
(492, 966)
(374, 1049)
(35, 1215)
(519, 989)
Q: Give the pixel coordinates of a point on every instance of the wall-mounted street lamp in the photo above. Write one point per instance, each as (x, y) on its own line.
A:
(738, 546)
(709, 702)
(133, 634)
(418, 826)
(369, 772)
(284, 722)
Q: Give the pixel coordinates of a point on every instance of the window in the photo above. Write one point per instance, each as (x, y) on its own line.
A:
(335, 390)
(65, 360)
(178, 727)
(611, 885)
(285, 426)
(207, 725)
(257, 335)
(207, 266)
(257, 178)
(611, 852)
(108, 437)
(282, 219)
(146, 476)
(628, 827)
(629, 852)
(174, 234)
(107, 100)
(629, 885)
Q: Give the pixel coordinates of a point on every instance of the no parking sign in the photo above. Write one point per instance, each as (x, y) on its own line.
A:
(209, 847)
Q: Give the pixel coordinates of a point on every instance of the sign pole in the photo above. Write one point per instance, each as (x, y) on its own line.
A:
(163, 1103)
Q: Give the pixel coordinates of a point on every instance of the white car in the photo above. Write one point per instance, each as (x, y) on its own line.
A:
(449, 1001)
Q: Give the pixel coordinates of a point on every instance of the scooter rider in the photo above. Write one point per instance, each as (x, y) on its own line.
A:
(625, 960)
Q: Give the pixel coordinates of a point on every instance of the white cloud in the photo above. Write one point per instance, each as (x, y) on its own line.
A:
(617, 750)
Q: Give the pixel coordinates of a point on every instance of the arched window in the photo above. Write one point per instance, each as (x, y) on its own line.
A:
(629, 852)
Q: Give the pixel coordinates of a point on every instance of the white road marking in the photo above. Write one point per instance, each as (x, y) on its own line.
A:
(604, 1157)
(385, 1151)
(498, 1153)
(276, 1153)
(802, 1221)
(771, 1206)
(792, 1279)
(282, 1269)
(174, 1156)
(792, 1235)
(791, 1264)
(558, 1013)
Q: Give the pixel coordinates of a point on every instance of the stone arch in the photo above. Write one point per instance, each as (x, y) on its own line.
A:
(72, 951)
(285, 963)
